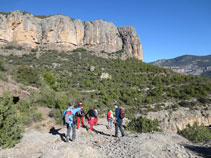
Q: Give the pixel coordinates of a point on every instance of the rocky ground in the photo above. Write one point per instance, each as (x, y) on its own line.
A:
(47, 140)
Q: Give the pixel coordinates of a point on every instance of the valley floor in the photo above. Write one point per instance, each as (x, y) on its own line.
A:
(47, 140)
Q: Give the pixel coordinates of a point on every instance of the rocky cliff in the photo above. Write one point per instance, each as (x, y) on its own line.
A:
(188, 65)
(172, 120)
(62, 32)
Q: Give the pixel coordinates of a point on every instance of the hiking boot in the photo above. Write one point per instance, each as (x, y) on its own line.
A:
(67, 138)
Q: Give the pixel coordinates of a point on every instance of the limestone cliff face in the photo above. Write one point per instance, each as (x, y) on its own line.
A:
(102, 35)
(171, 120)
(131, 42)
(62, 32)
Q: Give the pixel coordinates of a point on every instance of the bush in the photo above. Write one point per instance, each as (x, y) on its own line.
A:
(196, 133)
(204, 100)
(11, 47)
(28, 112)
(34, 50)
(187, 104)
(50, 79)
(28, 75)
(4, 13)
(42, 16)
(10, 131)
(1, 65)
(143, 125)
(79, 50)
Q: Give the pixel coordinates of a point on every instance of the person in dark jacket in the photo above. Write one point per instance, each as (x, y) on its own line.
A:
(118, 122)
(96, 114)
(80, 115)
(90, 115)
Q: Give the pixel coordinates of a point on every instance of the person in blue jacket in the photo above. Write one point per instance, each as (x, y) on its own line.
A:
(70, 121)
(118, 122)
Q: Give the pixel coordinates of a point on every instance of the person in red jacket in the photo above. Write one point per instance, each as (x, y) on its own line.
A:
(90, 115)
(80, 115)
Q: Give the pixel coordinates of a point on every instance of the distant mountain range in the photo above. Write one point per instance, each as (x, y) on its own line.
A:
(188, 64)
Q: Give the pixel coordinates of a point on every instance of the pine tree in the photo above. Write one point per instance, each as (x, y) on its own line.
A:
(10, 128)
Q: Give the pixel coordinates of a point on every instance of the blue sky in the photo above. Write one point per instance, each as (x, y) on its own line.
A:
(167, 28)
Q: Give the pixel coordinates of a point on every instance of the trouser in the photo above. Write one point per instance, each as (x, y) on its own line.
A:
(91, 126)
(119, 125)
(73, 130)
(91, 122)
(78, 121)
(96, 120)
(110, 121)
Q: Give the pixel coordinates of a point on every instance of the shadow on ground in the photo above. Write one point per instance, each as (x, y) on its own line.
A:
(54, 131)
(100, 132)
(201, 151)
(97, 131)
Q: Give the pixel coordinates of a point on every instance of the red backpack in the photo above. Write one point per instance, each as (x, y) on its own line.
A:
(109, 115)
(121, 114)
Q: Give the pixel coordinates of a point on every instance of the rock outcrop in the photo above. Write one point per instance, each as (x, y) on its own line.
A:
(15, 90)
(171, 120)
(62, 32)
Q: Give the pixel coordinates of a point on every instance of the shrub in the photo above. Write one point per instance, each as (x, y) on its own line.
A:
(1, 65)
(79, 50)
(28, 75)
(4, 13)
(42, 16)
(204, 100)
(25, 13)
(187, 104)
(143, 125)
(13, 47)
(27, 108)
(10, 131)
(196, 133)
(49, 78)
(9, 47)
(34, 50)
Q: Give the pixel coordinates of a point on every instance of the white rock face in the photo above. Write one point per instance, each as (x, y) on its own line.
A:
(62, 32)
(171, 120)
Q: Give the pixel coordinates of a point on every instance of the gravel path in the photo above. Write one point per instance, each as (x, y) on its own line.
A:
(49, 142)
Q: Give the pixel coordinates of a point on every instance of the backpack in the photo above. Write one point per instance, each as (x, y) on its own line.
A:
(95, 112)
(81, 112)
(121, 114)
(109, 115)
(69, 115)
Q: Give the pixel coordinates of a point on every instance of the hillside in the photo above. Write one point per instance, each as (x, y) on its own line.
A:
(64, 33)
(53, 78)
(188, 64)
(41, 83)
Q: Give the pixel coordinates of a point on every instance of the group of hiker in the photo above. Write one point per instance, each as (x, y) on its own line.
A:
(75, 114)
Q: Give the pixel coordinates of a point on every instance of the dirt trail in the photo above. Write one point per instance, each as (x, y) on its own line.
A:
(47, 140)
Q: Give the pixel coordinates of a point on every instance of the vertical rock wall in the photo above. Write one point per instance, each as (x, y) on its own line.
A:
(62, 32)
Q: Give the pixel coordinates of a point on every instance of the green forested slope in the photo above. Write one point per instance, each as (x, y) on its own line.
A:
(60, 77)
(133, 83)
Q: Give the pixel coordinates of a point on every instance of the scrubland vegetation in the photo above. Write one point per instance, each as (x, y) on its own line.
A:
(67, 76)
